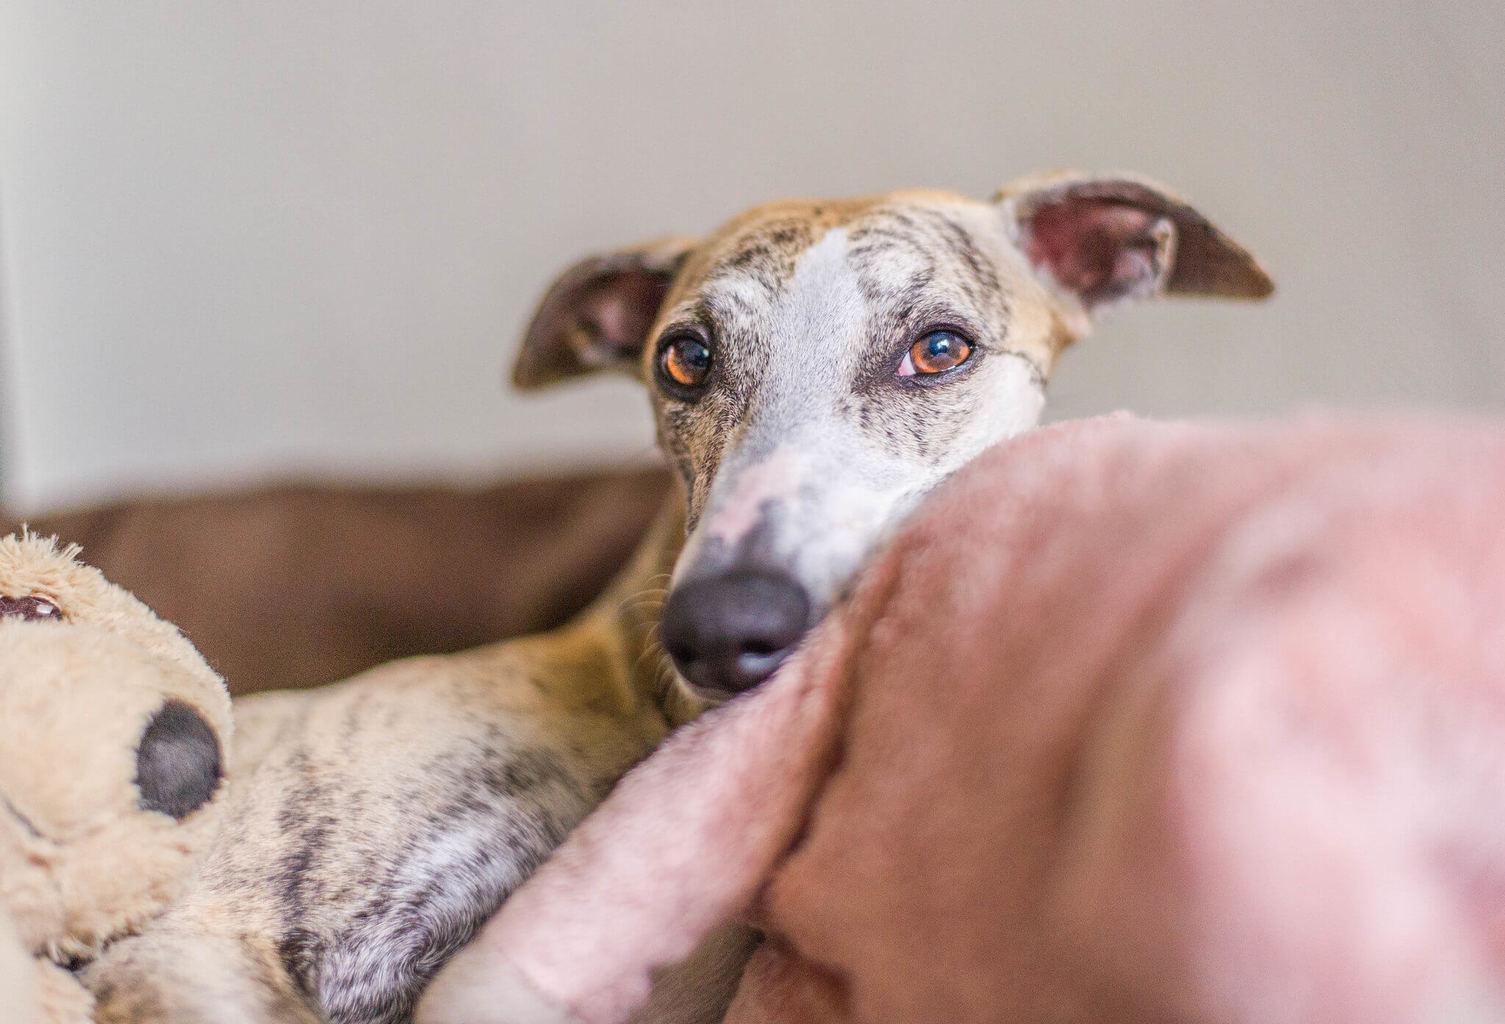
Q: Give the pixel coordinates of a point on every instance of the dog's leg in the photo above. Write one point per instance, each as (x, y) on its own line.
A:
(181, 977)
(628, 912)
(377, 823)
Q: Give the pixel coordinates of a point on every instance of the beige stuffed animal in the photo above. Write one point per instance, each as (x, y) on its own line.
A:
(113, 734)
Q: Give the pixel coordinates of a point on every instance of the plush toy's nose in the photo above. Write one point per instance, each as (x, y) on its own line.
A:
(727, 633)
(178, 764)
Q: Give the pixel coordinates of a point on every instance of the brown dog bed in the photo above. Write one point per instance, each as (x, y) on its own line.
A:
(300, 584)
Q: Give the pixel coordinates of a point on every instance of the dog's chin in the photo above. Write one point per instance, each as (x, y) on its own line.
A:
(685, 701)
(701, 697)
(709, 696)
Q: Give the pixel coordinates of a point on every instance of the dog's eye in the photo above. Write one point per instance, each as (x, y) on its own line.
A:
(684, 362)
(935, 352)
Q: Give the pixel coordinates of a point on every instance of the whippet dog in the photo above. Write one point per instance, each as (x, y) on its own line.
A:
(815, 368)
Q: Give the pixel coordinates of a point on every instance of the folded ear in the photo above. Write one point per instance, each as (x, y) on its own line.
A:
(1109, 239)
(597, 314)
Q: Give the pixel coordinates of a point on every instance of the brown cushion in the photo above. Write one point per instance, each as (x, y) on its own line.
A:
(297, 585)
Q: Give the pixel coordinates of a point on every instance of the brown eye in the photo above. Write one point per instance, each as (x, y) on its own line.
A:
(935, 352)
(684, 362)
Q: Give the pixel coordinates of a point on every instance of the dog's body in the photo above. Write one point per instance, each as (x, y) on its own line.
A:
(817, 367)
(376, 823)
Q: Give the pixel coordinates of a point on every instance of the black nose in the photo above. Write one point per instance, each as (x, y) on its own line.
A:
(728, 633)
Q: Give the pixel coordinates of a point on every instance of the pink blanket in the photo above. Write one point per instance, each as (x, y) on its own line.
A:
(1134, 722)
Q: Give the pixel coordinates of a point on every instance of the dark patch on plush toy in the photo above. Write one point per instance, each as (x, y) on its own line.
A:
(178, 765)
(29, 608)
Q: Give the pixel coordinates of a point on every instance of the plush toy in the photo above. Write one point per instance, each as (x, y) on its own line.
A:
(112, 753)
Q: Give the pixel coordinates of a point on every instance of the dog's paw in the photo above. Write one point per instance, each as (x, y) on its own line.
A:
(479, 987)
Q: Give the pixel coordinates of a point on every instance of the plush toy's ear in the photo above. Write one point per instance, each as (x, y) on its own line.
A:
(1114, 238)
(597, 314)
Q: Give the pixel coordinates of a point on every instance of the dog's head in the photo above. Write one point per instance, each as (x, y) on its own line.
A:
(817, 366)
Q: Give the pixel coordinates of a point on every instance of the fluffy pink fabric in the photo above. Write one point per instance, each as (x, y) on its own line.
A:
(1134, 722)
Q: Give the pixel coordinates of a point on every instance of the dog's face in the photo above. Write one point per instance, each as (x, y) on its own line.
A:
(816, 367)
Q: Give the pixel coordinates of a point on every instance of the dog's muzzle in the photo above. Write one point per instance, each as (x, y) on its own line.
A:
(728, 632)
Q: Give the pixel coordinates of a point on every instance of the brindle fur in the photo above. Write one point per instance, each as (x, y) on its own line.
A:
(376, 823)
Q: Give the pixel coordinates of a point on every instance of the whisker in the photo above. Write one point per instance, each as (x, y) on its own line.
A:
(652, 597)
(653, 650)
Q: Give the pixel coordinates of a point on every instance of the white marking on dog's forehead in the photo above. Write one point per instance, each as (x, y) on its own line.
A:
(825, 270)
(821, 299)
(817, 324)
(826, 257)
(824, 283)
(827, 297)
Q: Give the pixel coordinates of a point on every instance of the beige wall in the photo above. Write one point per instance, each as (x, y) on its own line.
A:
(251, 238)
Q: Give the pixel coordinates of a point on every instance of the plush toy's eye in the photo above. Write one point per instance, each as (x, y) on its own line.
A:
(178, 764)
(935, 352)
(32, 608)
(684, 363)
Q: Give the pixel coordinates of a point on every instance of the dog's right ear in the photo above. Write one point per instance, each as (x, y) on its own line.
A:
(597, 314)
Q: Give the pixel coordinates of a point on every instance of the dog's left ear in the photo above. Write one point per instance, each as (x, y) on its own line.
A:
(597, 314)
(1109, 239)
